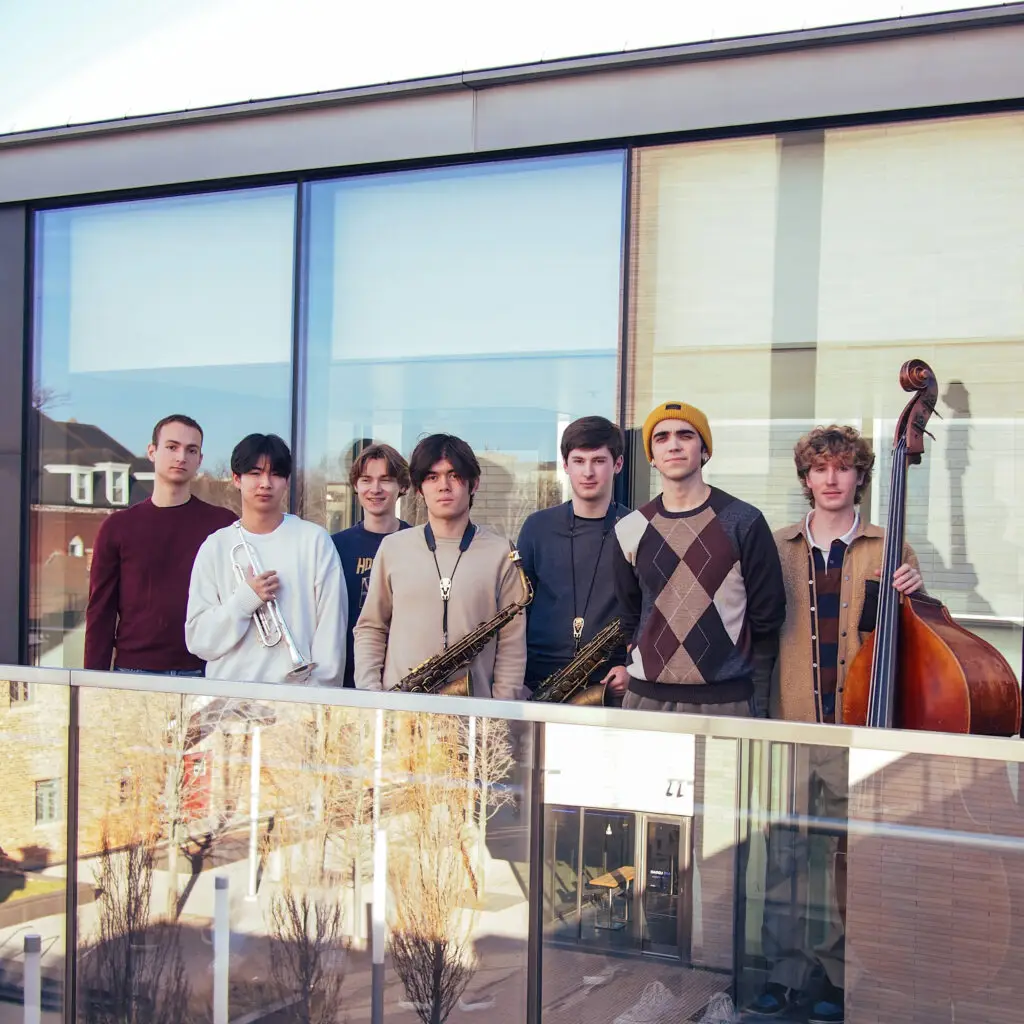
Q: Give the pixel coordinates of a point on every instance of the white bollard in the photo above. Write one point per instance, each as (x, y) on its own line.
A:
(221, 950)
(379, 920)
(33, 979)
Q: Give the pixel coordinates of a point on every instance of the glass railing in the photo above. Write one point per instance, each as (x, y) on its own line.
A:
(258, 853)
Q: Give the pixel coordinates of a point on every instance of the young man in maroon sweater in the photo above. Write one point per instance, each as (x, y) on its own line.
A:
(142, 563)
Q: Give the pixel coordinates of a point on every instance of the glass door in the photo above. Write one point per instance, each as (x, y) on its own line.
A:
(665, 897)
(607, 873)
(561, 871)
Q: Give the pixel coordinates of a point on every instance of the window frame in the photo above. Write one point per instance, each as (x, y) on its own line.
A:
(82, 486)
(20, 694)
(48, 809)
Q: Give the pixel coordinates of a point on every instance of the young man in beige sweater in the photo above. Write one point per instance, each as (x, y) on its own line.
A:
(431, 585)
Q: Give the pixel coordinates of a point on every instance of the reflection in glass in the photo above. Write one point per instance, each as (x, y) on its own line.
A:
(33, 841)
(561, 869)
(481, 301)
(618, 927)
(889, 885)
(278, 802)
(143, 309)
(781, 282)
(663, 887)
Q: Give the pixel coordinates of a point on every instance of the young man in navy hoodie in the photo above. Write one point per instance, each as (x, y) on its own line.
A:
(568, 552)
(379, 476)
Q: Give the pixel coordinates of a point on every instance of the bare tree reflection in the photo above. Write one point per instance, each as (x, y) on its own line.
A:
(432, 877)
(134, 972)
(308, 952)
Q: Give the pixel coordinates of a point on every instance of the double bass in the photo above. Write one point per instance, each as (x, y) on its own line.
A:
(920, 669)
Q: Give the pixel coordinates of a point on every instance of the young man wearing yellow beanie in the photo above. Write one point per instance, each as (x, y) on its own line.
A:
(698, 581)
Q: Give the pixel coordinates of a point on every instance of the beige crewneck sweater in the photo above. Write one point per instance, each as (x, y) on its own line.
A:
(400, 624)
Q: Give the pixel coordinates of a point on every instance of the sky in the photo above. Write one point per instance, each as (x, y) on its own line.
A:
(72, 62)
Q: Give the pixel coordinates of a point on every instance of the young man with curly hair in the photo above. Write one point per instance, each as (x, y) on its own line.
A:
(831, 561)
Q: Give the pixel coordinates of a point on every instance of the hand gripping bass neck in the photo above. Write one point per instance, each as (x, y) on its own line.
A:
(434, 674)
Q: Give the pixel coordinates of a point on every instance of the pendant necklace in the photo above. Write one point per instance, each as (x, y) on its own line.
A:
(445, 582)
(580, 620)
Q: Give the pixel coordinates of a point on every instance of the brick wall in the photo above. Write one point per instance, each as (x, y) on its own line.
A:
(935, 922)
(714, 850)
(33, 747)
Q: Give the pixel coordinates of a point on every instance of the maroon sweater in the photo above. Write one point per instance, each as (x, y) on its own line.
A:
(138, 585)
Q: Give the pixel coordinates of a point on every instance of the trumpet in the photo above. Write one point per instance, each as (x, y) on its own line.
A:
(270, 624)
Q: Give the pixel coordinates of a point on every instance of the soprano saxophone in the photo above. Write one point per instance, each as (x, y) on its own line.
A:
(569, 684)
(432, 676)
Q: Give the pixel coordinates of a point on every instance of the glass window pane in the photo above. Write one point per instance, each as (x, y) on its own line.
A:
(276, 800)
(781, 282)
(921, 256)
(143, 309)
(33, 842)
(702, 316)
(481, 301)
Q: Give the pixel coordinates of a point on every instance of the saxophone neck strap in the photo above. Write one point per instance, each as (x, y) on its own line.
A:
(579, 618)
(467, 537)
(445, 582)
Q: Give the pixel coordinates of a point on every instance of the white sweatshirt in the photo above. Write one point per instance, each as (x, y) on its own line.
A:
(219, 625)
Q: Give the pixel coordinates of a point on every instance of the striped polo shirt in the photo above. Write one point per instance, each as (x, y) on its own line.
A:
(827, 573)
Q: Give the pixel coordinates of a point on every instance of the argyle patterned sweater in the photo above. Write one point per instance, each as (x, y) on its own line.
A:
(701, 593)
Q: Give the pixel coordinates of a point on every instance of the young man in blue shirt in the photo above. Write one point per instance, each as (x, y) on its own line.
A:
(567, 553)
(379, 476)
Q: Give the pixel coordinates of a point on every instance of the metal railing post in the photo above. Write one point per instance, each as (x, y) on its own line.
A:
(535, 936)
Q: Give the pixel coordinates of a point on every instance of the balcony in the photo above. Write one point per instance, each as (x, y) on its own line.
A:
(254, 853)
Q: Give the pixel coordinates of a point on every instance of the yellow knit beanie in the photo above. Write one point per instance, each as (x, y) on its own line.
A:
(677, 411)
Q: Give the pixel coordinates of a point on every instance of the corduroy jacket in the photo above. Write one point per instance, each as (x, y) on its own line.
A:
(794, 690)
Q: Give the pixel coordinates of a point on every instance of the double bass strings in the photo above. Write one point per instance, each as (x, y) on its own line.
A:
(883, 669)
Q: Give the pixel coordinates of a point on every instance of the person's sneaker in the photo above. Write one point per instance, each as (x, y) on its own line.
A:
(775, 999)
(826, 1012)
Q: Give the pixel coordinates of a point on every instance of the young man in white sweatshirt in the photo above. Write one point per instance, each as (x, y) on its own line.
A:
(298, 568)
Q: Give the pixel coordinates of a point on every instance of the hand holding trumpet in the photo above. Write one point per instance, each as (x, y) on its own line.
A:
(264, 585)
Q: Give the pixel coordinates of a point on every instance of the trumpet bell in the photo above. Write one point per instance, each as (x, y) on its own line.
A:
(301, 673)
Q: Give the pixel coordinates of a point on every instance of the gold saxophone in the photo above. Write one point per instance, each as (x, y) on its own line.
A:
(564, 686)
(432, 676)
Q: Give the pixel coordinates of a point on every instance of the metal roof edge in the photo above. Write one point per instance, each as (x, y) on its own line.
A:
(563, 67)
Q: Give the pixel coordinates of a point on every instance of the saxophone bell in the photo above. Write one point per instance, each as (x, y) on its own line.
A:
(571, 684)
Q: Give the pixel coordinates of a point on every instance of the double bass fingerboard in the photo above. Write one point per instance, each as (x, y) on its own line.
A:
(884, 662)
